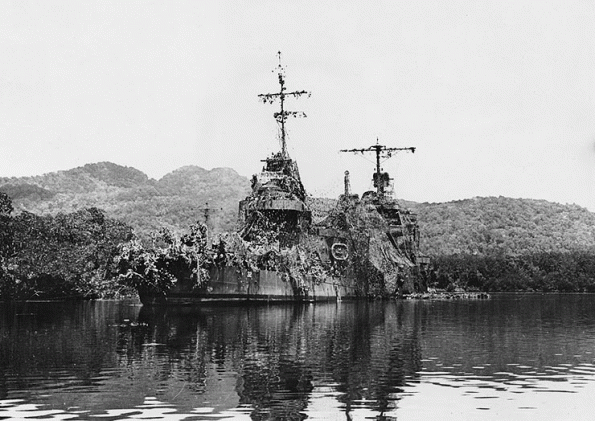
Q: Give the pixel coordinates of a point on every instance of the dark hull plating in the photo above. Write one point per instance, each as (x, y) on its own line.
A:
(230, 285)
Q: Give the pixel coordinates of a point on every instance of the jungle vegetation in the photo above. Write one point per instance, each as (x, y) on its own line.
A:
(174, 202)
(67, 255)
(504, 244)
(485, 243)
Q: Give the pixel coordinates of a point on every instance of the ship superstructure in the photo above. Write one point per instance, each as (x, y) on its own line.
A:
(277, 202)
(403, 229)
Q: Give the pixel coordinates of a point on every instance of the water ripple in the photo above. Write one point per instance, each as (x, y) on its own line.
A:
(496, 359)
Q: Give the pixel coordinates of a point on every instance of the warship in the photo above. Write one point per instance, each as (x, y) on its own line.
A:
(365, 247)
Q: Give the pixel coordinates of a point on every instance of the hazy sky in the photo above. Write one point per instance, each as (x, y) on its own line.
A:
(497, 96)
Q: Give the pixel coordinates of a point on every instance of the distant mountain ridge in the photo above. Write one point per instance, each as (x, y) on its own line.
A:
(175, 201)
(478, 226)
(82, 179)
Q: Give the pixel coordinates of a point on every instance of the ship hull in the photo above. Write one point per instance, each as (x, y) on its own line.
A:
(232, 285)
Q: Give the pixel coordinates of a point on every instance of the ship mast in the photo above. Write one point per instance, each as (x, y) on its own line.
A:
(281, 116)
(384, 153)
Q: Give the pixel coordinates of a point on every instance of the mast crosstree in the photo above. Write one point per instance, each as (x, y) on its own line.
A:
(282, 115)
(381, 179)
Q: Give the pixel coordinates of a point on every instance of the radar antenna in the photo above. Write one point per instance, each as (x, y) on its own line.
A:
(380, 178)
(281, 116)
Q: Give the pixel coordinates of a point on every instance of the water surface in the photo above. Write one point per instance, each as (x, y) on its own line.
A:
(511, 357)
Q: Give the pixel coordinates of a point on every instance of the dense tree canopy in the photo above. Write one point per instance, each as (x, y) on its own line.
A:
(66, 255)
(504, 244)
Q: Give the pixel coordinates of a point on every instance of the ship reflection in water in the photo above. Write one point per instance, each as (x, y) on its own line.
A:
(489, 359)
(278, 362)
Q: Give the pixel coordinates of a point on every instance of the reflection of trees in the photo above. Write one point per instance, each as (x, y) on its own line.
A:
(369, 350)
(269, 360)
(55, 346)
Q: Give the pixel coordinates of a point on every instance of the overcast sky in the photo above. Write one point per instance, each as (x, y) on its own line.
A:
(497, 96)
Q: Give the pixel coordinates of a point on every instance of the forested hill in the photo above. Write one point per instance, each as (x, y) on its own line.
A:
(488, 226)
(481, 226)
(175, 201)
